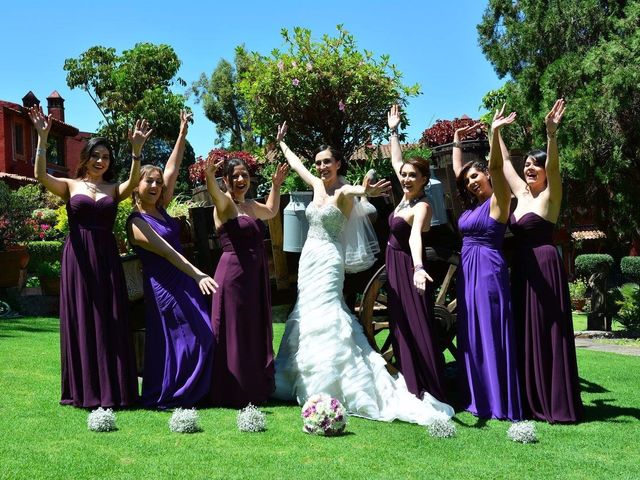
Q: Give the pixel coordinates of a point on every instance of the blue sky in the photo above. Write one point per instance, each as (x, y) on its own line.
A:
(432, 43)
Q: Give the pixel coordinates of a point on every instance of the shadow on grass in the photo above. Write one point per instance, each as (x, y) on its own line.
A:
(7, 327)
(600, 411)
(590, 387)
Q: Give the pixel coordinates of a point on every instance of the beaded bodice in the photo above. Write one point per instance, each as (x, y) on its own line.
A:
(325, 222)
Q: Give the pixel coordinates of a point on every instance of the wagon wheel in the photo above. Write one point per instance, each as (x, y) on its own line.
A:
(372, 311)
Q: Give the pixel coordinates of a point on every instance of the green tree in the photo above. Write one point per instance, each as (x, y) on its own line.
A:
(135, 84)
(585, 51)
(223, 103)
(328, 91)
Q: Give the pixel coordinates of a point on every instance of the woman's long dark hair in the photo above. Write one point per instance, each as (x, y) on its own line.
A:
(468, 199)
(336, 155)
(85, 155)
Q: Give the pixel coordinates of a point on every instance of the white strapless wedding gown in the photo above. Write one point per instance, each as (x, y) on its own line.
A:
(324, 348)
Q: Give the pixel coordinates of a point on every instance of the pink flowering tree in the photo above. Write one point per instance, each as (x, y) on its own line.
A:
(328, 92)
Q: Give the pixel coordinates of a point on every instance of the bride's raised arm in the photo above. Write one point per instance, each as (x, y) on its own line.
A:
(294, 161)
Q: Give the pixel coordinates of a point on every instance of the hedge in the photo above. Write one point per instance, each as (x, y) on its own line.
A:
(588, 264)
(43, 251)
(630, 268)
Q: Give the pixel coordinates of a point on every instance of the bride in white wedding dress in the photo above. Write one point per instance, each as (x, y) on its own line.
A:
(324, 348)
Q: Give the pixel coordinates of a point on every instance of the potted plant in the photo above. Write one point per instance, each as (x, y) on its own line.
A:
(16, 228)
(578, 291)
(49, 275)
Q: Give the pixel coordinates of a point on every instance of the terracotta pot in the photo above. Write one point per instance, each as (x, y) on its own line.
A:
(578, 304)
(50, 285)
(12, 267)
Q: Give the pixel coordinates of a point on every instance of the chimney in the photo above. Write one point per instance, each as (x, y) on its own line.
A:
(55, 106)
(29, 100)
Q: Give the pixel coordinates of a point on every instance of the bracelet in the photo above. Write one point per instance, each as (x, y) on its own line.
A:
(418, 268)
(551, 135)
(137, 157)
(41, 151)
(393, 132)
(457, 144)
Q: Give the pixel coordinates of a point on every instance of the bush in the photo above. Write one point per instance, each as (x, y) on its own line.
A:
(630, 268)
(629, 312)
(62, 220)
(578, 289)
(43, 252)
(588, 264)
(125, 208)
(48, 269)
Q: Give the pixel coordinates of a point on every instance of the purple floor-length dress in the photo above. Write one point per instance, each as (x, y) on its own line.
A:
(542, 311)
(411, 317)
(486, 337)
(97, 358)
(178, 352)
(243, 370)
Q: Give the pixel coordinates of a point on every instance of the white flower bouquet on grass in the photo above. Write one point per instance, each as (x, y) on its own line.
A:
(102, 420)
(185, 420)
(323, 415)
(250, 419)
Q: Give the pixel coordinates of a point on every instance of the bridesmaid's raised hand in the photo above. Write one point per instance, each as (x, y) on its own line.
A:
(139, 135)
(279, 175)
(552, 120)
(41, 123)
(185, 119)
(393, 117)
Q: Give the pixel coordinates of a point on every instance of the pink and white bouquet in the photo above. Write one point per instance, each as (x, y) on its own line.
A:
(323, 415)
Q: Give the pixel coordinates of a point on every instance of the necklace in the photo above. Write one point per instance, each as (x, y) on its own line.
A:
(408, 203)
(92, 187)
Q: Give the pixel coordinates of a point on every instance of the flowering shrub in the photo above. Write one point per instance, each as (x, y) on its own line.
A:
(250, 419)
(330, 91)
(102, 420)
(197, 170)
(185, 420)
(16, 224)
(442, 131)
(323, 415)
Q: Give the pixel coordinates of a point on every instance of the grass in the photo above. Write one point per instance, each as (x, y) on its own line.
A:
(580, 323)
(41, 439)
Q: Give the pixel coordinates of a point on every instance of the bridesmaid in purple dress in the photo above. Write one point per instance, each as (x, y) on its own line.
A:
(486, 337)
(410, 295)
(178, 341)
(540, 290)
(243, 369)
(97, 360)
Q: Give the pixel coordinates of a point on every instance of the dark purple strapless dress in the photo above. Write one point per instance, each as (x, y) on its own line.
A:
(97, 357)
(243, 369)
(542, 311)
(178, 355)
(486, 337)
(411, 317)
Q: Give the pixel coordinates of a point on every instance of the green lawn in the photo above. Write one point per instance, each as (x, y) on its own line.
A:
(41, 439)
